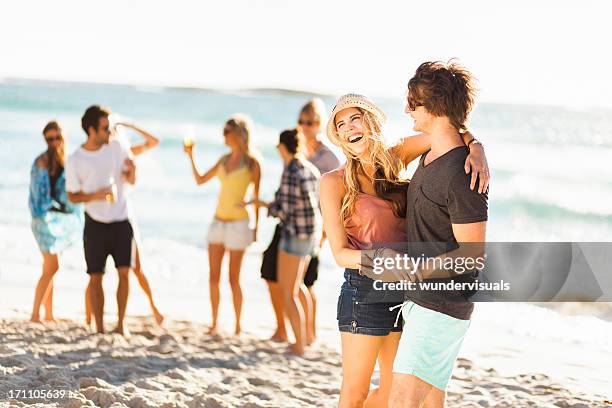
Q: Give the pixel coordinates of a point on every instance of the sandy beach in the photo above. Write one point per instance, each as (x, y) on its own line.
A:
(515, 355)
(179, 366)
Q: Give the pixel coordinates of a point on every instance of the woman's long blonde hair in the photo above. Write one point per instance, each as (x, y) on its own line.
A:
(389, 183)
(243, 126)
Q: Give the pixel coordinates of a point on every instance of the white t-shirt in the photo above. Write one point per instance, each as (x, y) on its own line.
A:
(89, 171)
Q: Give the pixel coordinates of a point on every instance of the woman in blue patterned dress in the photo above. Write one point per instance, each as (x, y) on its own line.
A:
(56, 223)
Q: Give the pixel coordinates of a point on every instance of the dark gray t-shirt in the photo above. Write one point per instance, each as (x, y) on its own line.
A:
(439, 195)
(324, 159)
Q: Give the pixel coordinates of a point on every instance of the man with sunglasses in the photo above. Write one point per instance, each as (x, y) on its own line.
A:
(98, 174)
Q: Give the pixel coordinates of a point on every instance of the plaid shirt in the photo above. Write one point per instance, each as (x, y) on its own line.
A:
(296, 202)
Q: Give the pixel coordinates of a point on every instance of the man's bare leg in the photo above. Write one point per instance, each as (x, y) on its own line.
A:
(88, 311)
(123, 291)
(409, 391)
(96, 295)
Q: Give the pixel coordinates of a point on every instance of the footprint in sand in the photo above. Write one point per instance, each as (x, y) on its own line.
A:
(261, 382)
(150, 385)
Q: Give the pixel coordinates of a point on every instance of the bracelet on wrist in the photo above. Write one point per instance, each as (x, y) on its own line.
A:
(473, 141)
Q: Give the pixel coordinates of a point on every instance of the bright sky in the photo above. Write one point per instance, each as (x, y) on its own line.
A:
(522, 51)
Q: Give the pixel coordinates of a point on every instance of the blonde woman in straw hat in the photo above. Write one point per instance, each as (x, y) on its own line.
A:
(229, 230)
(363, 204)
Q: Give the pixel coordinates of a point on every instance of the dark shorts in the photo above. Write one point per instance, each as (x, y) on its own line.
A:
(312, 273)
(362, 311)
(268, 262)
(101, 240)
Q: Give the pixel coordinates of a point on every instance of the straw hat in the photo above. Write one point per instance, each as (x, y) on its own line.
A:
(352, 101)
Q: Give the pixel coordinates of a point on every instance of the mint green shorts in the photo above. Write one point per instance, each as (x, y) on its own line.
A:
(429, 344)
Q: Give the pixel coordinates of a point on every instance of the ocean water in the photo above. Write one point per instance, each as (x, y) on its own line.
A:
(552, 178)
(551, 181)
(551, 173)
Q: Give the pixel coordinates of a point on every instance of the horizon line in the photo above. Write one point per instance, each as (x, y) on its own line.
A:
(264, 89)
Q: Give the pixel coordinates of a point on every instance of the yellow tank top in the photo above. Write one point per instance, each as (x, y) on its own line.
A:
(233, 189)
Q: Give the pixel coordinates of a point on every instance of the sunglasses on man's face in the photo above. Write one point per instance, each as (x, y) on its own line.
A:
(53, 139)
(307, 122)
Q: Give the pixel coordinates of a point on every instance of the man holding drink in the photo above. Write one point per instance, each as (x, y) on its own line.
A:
(98, 174)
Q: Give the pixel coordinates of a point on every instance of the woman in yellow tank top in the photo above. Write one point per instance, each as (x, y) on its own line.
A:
(234, 186)
(229, 230)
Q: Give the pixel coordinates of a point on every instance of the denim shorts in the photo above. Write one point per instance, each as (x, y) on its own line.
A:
(361, 310)
(296, 246)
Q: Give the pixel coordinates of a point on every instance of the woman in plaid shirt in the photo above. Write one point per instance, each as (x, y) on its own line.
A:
(296, 204)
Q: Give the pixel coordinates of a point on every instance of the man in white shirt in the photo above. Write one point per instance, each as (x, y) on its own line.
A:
(99, 174)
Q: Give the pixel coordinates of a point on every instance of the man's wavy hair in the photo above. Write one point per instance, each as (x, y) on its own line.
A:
(444, 89)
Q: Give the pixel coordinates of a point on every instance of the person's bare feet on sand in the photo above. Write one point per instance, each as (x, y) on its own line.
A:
(50, 319)
(35, 319)
(295, 349)
(159, 318)
(237, 330)
(122, 331)
(212, 330)
(311, 340)
(279, 336)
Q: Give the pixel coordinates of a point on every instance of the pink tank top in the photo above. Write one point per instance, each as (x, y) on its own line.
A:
(374, 222)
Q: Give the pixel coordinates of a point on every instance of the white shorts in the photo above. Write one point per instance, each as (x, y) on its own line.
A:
(231, 234)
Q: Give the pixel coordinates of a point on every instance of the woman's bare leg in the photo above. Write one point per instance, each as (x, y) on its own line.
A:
(235, 263)
(306, 302)
(312, 330)
(49, 267)
(291, 270)
(48, 302)
(276, 297)
(215, 258)
(379, 397)
(359, 354)
(144, 284)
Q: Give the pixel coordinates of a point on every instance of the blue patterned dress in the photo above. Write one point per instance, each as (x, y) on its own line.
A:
(56, 222)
